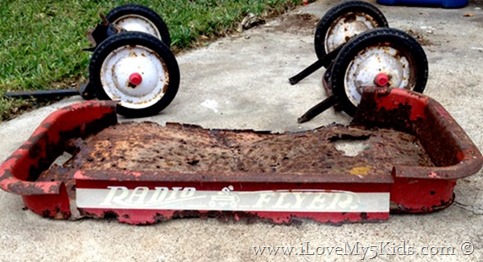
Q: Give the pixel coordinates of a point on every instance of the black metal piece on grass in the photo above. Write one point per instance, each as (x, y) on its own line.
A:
(43, 94)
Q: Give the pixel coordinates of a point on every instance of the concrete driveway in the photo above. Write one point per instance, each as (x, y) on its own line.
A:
(241, 82)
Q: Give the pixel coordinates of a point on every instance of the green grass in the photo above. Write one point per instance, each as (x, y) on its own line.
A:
(41, 41)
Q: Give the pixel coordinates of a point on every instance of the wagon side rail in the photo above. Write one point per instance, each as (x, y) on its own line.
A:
(20, 171)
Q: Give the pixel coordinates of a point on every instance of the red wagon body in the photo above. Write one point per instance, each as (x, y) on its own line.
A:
(141, 173)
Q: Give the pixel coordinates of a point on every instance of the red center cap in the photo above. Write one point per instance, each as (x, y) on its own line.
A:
(381, 80)
(135, 79)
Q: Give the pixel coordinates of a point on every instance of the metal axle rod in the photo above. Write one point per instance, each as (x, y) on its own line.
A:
(319, 108)
(43, 94)
(325, 61)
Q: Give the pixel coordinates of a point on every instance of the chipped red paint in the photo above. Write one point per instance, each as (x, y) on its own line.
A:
(453, 153)
(410, 195)
(413, 189)
(18, 174)
(138, 217)
(417, 102)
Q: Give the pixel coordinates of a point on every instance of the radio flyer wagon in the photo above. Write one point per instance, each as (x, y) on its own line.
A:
(411, 150)
(412, 154)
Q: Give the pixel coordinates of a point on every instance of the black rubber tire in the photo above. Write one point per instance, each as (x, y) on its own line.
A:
(135, 39)
(337, 12)
(145, 12)
(397, 39)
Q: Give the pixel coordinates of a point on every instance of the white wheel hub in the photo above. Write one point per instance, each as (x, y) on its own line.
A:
(345, 27)
(137, 23)
(381, 66)
(134, 75)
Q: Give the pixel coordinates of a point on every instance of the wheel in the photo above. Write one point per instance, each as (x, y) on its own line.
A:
(344, 21)
(380, 57)
(132, 17)
(137, 70)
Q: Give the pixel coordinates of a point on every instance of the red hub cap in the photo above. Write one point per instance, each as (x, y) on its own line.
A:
(381, 80)
(135, 79)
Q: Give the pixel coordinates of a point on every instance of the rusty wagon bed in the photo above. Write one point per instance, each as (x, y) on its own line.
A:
(411, 153)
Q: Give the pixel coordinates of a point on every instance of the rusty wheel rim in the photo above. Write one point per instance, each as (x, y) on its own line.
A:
(347, 26)
(133, 22)
(381, 66)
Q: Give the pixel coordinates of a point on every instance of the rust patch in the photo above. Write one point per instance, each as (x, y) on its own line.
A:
(190, 149)
(349, 18)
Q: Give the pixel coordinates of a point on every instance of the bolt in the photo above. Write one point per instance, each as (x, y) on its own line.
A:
(135, 79)
(381, 80)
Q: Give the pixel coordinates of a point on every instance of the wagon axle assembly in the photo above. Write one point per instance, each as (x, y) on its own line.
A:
(131, 63)
(353, 42)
